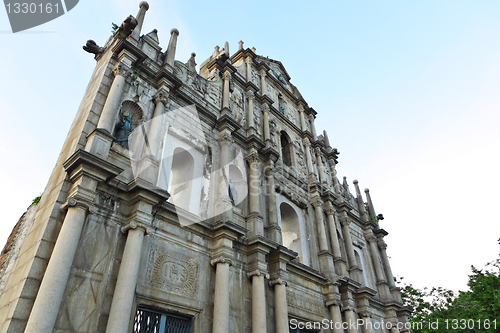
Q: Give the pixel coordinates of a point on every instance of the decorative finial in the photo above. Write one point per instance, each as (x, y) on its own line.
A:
(240, 48)
(367, 190)
(355, 182)
(254, 49)
(174, 31)
(144, 4)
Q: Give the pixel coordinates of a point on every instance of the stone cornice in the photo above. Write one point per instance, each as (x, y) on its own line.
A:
(84, 163)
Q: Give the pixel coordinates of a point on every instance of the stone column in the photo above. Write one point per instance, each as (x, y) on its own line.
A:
(385, 261)
(267, 133)
(248, 62)
(46, 307)
(335, 181)
(313, 128)
(224, 203)
(318, 207)
(280, 305)
(221, 295)
(321, 170)
(259, 324)
(254, 185)
(172, 45)
(303, 125)
(250, 96)
(310, 166)
(344, 220)
(143, 7)
(271, 199)
(367, 323)
(225, 93)
(156, 132)
(336, 315)
(110, 110)
(350, 318)
(376, 263)
(123, 297)
(263, 88)
(339, 262)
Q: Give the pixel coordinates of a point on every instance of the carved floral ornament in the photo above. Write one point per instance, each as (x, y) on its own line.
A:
(121, 69)
(253, 158)
(161, 97)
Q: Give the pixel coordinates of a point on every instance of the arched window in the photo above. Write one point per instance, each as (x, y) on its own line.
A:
(290, 228)
(181, 177)
(286, 154)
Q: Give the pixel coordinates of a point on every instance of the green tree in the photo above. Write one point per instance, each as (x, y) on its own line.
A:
(439, 310)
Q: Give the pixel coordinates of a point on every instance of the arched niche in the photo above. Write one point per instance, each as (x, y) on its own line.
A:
(181, 173)
(293, 231)
(361, 265)
(286, 149)
(239, 186)
(129, 117)
(181, 176)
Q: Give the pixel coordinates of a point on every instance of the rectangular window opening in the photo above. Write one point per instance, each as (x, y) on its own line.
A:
(149, 321)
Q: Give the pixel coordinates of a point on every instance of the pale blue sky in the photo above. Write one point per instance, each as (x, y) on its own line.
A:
(407, 90)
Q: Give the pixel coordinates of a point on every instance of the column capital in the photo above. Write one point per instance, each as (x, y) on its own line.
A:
(366, 314)
(317, 203)
(252, 157)
(265, 107)
(135, 225)
(248, 60)
(329, 209)
(370, 238)
(348, 308)
(333, 302)
(121, 69)
(262, 72)
(311, 117)
(382, 245)
(269, 169)
(226, 75)
(258, 272)
(306, 142)
(250, 94)
(77, 203)
(222, 260)
(344, 219)
(317, 150)
(274, 282)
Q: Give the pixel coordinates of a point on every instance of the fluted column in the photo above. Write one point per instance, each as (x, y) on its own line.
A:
(172, 45)
(350, 318)
(248, 62)
(318, 207)
(250, 97)
(313, 128)
(336, 315)
(259, 323)
(143, 7)
(385, 260)
(280, 305)
(267, 133)
(221, 295)
(123, 297)
(263, 88)
(46, 307)
(110, 110)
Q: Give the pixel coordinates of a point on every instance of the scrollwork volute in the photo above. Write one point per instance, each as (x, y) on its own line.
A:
(280, 281)
(221, 260)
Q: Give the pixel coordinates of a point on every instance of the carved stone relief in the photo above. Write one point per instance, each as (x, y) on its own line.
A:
(305, 304)
(171, 273)
(215, 95)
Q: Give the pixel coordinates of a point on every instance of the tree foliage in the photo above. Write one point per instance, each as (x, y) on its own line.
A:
(439, 310)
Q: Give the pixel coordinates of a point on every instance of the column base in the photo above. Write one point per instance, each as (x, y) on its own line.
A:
(326, 264)
(340, 267)
(383, 291)
(255, 224)
(99, 142)
(273, 232)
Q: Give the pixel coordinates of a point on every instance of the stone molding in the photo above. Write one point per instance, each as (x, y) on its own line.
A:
(221, 260)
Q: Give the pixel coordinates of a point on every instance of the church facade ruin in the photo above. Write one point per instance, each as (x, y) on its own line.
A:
(197, 201)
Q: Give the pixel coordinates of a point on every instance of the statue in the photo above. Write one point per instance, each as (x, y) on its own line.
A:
(124, 128)
(92, 47)
(127, 27)
(233, 195)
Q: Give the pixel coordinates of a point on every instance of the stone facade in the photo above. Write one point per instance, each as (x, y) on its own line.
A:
(203, 200)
